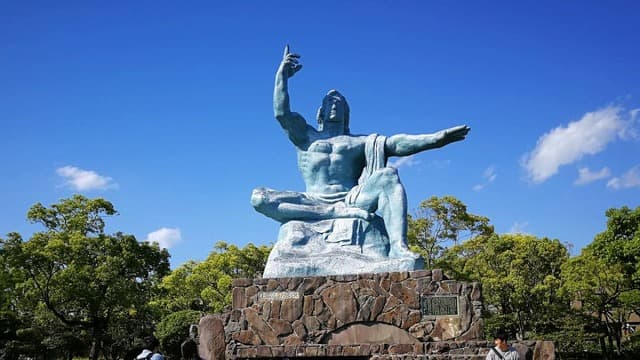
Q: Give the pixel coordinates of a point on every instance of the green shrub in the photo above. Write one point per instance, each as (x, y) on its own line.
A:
(173, 330)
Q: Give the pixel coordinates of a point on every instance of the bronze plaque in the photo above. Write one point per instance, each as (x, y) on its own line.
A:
(439, 305)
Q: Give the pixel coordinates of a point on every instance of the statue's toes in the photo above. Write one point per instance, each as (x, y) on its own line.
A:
(403, 253)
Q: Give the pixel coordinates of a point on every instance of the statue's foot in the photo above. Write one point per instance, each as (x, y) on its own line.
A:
(342, 211)
(402, 252)
(359, 213)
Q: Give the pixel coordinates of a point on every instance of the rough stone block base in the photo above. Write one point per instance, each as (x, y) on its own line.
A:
(442, 350)
(398, 315)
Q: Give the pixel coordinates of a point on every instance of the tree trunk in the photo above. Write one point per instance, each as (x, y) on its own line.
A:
(93, 353)
(96, 342)
(603, 348)
(617, 332)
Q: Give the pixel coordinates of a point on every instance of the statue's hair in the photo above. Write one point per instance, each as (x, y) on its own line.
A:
(346, 111)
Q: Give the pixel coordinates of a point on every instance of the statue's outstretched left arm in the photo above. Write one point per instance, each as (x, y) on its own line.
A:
(404, 145)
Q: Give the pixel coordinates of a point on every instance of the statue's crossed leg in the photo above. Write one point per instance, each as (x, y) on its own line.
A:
(382, 192)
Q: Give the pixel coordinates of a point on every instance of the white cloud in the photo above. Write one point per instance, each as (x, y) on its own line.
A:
(587, 136)
(165, 237)
(478, 187)
(408, 161)
(440, 164)
(633, 130)
(628, 180)
(586, 176)
(84, 180)
(489, 175)
(518, 228)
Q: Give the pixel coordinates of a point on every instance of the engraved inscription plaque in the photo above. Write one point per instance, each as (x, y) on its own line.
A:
(439, 305)
(278, 295)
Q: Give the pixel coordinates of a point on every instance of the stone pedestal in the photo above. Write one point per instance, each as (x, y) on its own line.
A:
(398, 315)
(407, 307)
(419, 313)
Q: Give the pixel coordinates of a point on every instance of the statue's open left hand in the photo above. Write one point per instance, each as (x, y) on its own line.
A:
(455, 133)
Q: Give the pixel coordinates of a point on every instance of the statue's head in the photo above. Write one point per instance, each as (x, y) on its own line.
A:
(334, 109)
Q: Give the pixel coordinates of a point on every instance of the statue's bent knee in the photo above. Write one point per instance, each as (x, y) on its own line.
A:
(389, 175)
(259, 198)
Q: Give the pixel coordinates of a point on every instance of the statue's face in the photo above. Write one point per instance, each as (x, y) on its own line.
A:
(333, 108)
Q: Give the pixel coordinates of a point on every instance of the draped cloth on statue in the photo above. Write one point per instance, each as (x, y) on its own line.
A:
(375, 160)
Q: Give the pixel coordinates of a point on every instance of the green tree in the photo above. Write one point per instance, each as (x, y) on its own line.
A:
(597, 287)
(9, 321)
(89, 281)
(620, 242)
(22, 332)
(173, 330)
(439, 222)
(206, 286)
(520, 276)
(180, 291)
(605, 277)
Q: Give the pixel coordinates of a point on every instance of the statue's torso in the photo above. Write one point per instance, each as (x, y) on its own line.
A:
(333, 164)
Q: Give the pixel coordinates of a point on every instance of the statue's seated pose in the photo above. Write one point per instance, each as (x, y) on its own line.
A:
(351, 196)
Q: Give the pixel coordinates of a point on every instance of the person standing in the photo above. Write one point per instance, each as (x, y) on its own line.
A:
(502, 350)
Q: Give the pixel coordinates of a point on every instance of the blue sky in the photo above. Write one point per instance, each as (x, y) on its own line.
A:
(164, 108)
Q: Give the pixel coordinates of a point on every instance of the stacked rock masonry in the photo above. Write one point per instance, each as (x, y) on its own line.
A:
(419, 314)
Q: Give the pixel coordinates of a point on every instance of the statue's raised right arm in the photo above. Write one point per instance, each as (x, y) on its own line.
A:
(293, 123)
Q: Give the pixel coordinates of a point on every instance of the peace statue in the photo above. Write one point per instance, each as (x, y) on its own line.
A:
(352, 218)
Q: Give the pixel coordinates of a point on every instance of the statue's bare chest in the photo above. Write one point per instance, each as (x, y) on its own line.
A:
(333, 153)
(343, 146)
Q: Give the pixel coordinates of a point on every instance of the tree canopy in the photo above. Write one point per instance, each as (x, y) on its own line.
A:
(439, 222)
(604, 278)
(520, 276)
(86, 279)
(206, 286)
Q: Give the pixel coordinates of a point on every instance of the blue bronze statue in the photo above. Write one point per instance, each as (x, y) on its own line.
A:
(352, 218)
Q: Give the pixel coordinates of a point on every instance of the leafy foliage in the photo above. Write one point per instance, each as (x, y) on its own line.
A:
(174, 329)
(86, 279)
(520, 276)
(195, 288)
(442, 221)
(620, 242)
(206, 286)
(604, 278)
(575, 333)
